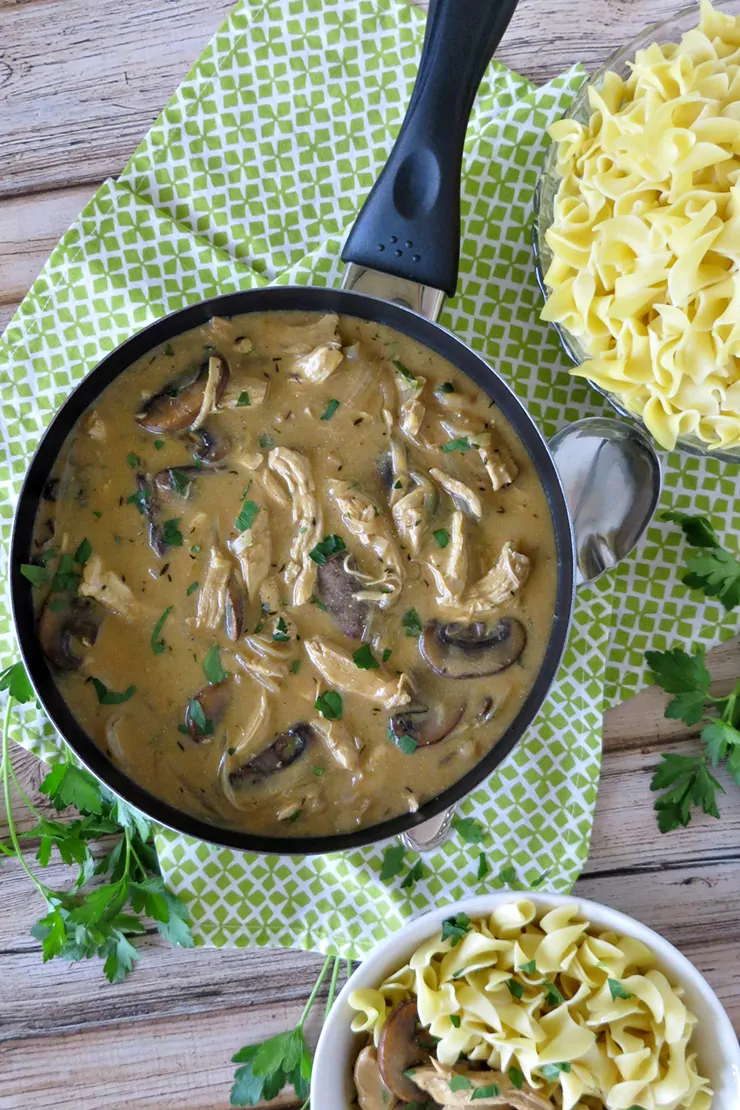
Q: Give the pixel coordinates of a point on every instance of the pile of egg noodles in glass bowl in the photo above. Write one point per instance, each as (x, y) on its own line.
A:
(639, 231)
(527, 1008)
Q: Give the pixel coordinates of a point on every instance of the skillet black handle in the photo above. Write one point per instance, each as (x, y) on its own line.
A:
(409, 225)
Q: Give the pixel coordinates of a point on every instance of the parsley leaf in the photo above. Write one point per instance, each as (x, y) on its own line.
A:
(442, 536)
(717, 571)
(516, 990)
(460, 1083)
(212, 668)
(267, 442)
(415, 873)
(530, 968)
(281, 635)
(179, 482)
(331, 408)
(15, 680)
(330, 545)
(722, 740)
(491, 1090)
(83, 552)
(110, 697)
(411, 621)
(37, 576)
(455, 1020)
(616, 990)
(404, 742)
(329, 705)
(483, 866)
(455, 928)
(364, 658)
(697, 529)
(158, 444)
(516, 1077)
(687, 782)
(404, 371)
(243, 400)
(158, 644)
(446, 387)
(508, 874)
(460, 444)
(386, 654)
(245, 520)
(392, 862)
(139, 499)
(684, 675)
(552, 1071)
(554, 997)
(191, 589)
(470, 830)
(171, 534)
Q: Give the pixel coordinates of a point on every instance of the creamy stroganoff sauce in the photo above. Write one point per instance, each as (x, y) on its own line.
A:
(354, 554)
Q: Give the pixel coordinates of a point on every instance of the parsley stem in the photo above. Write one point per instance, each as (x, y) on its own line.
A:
(332, 987)
(8, 808)
(23, 794)
(314, 992)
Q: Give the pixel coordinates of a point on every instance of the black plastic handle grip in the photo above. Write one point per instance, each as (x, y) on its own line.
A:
(409, 225)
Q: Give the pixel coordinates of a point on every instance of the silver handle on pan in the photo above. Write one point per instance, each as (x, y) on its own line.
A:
(420, 298)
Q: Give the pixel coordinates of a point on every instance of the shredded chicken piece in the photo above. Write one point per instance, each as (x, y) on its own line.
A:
(255, 389)
(463, 496)
(252, 460)
(221, 328)
(270, 594)
(266, 660)
(340, 744)
(435, 1081)
(294, 469)
(410, 515)
(251, 738)
(253, 550)
(339, 670)
(212, 597)
(273, 489)
(320, 364)
(93, 426)
(503, 581)
(411, 406)
(363, 519)
(500, 467)
(216, 371)
(450, 567)
(107, 588)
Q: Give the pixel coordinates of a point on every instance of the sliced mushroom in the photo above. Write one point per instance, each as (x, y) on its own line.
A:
(179, 404)
(336, 587)
(399, 1049)
(66, 618)
(205, 446)
(282, 752)
(234, 609)
(372, 1093)
(435, 1081)
(148, 508)
(177, 480)
(426, 725)
(213, 701)
(473, 650)
(52, 490)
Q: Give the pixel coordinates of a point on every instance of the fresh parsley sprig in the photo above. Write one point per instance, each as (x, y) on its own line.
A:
(686, 780)
(716, 572)
(268, 1067)
(89, 920)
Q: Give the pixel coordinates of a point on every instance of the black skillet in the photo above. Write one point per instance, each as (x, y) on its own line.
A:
(404, 247)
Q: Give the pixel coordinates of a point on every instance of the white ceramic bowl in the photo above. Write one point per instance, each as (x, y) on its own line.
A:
(714, 1038)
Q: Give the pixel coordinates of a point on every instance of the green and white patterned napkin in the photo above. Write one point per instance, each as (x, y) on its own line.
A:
(254, 173)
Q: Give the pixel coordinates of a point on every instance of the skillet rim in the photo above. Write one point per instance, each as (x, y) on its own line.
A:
(306, 299)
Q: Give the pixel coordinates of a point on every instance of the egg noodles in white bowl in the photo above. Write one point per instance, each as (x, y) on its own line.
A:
(528, 1001)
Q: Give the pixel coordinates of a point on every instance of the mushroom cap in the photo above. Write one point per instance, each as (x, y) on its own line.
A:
(177, 406)
(458, 650)
(213, 701)
(79, 619)
(337, 587)
(284, 750)
(399, 1049)
(426, 724)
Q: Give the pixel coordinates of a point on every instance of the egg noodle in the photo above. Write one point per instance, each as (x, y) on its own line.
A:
(646, 235)
(593, 1003)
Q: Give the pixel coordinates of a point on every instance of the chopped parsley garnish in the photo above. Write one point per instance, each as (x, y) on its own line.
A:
(442, 536)
(243, 401)
(411, 621)
(329, 705)
(280, 635)
(530, 968)
(552, 1071)
(267, 442)
(158, 444)
(97, 514)
(331, 408)
(461, 444)
(470, 830)
(158, 644)
(245, 520)
(171, 534)
(179, 482)
(191, 589)
(195, 549)
(37, 576)
(319, 604)
(195, 715)
(414, 875)
(212, 667)
(386, 654)
(483, 867)
(110, 697)
(65, 578)
(139, 499)
(507, 874)
(491, 1090)
(516, 1077)
(364, 658)
(83, 552)
(398, 485)
(318, 771)
(404, 371)
(460, 1083)
(330, 545)
(295, 666)
(446, 387)
(455, 1020)
(132, 460)
(516, 990)
(554, 997)
(405, 743)
(168, 350)
(616, 990)
(455, 928)
(392, 862)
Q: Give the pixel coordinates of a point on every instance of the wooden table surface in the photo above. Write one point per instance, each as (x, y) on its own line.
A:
(80, 82)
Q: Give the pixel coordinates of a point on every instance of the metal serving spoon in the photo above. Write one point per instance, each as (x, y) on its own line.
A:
(612, 481)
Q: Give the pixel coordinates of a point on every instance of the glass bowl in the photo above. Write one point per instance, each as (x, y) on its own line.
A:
(671, 30)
